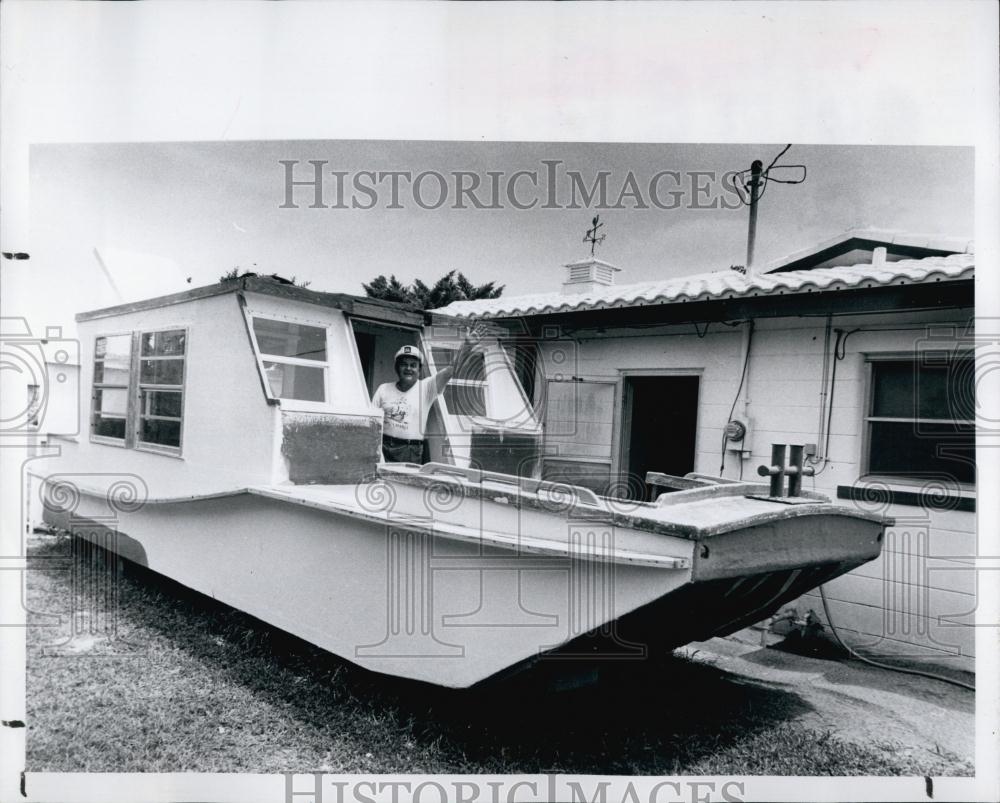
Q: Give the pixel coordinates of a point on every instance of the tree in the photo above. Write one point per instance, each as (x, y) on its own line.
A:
(390, 289)
(453, 286)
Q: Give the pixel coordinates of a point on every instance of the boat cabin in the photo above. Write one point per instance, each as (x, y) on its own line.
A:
(256, 381)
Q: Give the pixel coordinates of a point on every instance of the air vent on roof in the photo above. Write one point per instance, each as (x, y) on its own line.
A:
(588, 275)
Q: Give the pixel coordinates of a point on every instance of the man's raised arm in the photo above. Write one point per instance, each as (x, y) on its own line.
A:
(443, 377)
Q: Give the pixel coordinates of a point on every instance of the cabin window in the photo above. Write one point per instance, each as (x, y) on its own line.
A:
(112, 369)
(161, 388)
(465, 394)
(294, 358)
(921, 417)
(138, 392)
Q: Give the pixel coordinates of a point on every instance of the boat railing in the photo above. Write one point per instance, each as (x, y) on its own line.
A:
(694, 487)
(554, 491)
(686, 496)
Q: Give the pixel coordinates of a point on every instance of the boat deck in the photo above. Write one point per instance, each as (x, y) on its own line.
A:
(379, 503)
(694, 513)
(539, 517)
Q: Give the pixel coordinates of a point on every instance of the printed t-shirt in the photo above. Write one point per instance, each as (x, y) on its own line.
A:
(406, 412)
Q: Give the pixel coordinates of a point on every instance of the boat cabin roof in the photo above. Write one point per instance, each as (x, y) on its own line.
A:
(388, 311)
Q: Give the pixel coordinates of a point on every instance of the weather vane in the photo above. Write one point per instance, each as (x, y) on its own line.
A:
(591, 235)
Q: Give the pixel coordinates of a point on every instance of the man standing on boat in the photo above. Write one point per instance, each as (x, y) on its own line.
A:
(406, 403)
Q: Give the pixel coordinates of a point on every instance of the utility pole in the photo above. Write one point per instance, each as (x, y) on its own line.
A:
(755, 171)
(750, 192)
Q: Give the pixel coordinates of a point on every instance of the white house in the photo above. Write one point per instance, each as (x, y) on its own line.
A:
(860, 348)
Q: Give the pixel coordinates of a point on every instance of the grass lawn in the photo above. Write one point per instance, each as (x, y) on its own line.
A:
(188, 684)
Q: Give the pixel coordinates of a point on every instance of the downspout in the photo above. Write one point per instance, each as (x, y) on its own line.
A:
(742, 394)
(826, 389)
(824, 393)
(744, 399)
(744, 455)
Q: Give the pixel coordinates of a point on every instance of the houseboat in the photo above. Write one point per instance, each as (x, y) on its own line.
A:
(231, 445)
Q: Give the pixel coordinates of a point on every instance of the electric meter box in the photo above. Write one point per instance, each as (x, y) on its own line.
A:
(739, 433)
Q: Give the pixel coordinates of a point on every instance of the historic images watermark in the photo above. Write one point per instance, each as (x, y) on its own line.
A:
(551, 184)
(41, 408)
(319, 787)
(35, 368)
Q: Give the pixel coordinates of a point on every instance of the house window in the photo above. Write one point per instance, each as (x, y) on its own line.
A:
(465, 394)
(294, 359)
(161, 388)
(921, 421)
(112, 369)
(138, 391)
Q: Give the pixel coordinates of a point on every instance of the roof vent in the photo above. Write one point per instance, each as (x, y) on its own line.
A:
(588, 275)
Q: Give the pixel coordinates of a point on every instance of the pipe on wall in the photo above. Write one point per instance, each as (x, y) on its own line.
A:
(824, 393)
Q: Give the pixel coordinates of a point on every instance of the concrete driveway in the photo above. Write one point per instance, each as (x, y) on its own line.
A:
(855, 701)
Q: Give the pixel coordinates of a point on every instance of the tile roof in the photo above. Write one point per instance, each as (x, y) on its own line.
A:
(723, 285)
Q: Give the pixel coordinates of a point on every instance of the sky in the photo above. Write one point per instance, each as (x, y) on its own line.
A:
(159, 214)
(154, 133)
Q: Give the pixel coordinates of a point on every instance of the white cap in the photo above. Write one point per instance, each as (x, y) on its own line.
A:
(409, 351)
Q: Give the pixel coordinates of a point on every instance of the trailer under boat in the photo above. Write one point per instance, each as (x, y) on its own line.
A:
(452, 576)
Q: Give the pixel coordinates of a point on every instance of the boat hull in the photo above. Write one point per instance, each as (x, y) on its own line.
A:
(739, 578)
(388, 597)
(414, 597)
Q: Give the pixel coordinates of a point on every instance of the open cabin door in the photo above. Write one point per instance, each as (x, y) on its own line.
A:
(377, 344)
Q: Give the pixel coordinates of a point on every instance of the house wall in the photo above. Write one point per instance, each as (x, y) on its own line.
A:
(919, 597)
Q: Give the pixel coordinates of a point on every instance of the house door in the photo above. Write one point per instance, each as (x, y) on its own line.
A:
(660, 418)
